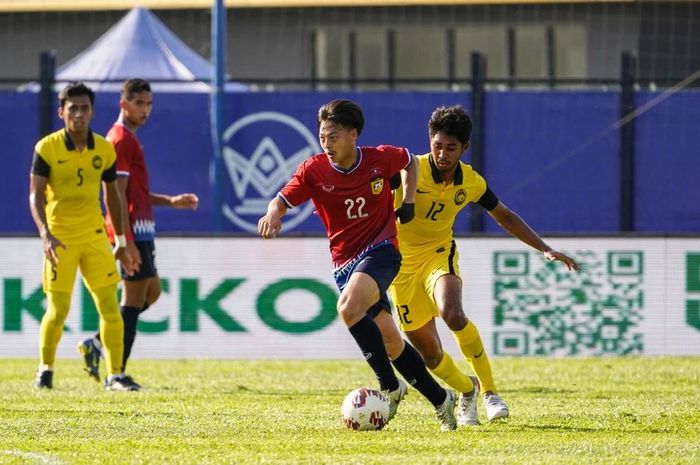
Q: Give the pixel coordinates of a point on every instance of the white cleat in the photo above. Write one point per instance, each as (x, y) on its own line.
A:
(395, 397)
(446, 412)
(495, 407)
(467, 414)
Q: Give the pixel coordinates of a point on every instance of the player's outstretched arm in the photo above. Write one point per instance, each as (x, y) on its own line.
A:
(187, 201)
(517, 227)
(270, 225)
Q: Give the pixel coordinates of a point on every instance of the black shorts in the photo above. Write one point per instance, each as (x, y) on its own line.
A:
(147, 249)
(382, 263)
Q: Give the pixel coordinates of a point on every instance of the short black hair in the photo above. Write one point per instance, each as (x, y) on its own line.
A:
(74, 89)
(343, 112)
(134, 86)
(453, 121)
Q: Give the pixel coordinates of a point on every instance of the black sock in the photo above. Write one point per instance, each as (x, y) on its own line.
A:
(130, 315)
(412, 367)
(369, 339)
(145, 307)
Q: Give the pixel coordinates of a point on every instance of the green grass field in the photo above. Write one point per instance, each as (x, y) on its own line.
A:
(592, 411)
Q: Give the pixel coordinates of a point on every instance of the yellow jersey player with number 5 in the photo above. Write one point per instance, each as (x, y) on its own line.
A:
(68, 169)
(429, 283)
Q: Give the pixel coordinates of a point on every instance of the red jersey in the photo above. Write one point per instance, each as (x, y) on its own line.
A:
(355, 205)
(131, 162)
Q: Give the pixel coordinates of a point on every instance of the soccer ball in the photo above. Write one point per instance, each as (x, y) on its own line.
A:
(365, 409)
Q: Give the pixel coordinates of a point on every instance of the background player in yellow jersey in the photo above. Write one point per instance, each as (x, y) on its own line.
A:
(68, 169)
(429, 282)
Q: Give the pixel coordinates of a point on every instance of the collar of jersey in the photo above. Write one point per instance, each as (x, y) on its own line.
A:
(459, 177)
(71, 146)
(354, 165)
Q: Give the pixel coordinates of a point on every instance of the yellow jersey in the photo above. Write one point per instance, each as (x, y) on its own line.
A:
(437, 206)
(73, 209)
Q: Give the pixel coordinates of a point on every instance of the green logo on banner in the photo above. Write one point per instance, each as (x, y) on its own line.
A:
(692, 285)
(267, 308)
(193, 304)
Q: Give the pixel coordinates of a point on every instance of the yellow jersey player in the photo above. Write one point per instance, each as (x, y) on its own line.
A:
(68, 169)
(429, 283)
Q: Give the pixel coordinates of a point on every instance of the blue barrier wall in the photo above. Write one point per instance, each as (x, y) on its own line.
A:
(668, 163)
(551, 156)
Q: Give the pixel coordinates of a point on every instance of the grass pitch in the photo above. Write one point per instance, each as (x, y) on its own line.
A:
(592, 411)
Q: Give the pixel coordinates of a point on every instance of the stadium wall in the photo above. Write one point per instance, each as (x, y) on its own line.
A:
(275, 43)
(246, 298)
(553, 156)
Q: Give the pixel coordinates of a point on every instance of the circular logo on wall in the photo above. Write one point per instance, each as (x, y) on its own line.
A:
(261, 152)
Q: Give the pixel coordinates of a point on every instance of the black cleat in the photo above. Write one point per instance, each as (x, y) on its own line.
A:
(44, 379)
(121, 383)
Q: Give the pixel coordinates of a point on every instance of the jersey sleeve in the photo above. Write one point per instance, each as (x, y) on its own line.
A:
(110, 174)
(41, 166)
(480, 191)
(489, 200)
(399, 157)
(296, 191)
(124, 148)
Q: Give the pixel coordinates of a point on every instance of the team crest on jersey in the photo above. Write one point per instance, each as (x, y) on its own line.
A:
(97, 162)
(377, 185)
(460, 197)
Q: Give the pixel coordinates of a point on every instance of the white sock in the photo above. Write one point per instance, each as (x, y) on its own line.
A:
(117, 376)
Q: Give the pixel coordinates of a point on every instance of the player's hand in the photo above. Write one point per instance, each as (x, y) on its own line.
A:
(51, 244)
(406, 212)
(133, 251)
(553, 255)
(127, 260)
(270, 225)
(185, 201)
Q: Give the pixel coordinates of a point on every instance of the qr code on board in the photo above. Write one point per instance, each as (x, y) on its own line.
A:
(542, 308)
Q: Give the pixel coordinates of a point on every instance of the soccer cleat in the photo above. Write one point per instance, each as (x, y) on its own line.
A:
(395, 397)
(121, 383)
(131, 380)
(91, 356)
(495, 407)
(467, 414)
(44, 379)
(446, 412)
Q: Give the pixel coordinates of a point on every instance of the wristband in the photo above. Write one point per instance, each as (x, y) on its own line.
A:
(120, 241)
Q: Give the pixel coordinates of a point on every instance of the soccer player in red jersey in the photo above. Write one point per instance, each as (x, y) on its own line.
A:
(349, 187)
(142, 289)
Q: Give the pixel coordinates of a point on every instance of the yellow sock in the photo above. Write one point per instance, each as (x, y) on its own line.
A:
(447, 371)
(470, 344)
(57, 306)
(111, 327)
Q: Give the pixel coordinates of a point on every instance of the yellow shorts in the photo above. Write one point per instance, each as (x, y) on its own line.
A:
(95, 259)
(412, 290)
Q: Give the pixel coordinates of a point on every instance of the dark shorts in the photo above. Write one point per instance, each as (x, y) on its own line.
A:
(382, 263)
(147, 249)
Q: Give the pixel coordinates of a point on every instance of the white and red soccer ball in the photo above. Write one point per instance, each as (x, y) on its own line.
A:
(365, 409)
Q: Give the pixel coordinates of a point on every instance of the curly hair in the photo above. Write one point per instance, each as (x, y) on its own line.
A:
(453, 121)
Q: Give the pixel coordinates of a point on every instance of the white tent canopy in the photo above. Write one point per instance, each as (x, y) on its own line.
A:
(140, 45)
